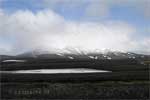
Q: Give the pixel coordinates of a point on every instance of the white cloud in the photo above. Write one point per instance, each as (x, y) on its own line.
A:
(145, 44)
(25, 30)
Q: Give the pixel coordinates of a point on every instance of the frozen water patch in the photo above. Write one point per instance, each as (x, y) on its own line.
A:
(70, 57)
(56, 71)
(13, 61)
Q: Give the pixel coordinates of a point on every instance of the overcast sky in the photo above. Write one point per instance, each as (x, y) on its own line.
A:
(89, 25)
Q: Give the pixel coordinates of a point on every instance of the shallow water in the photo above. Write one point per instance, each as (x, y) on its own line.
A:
(57, 71)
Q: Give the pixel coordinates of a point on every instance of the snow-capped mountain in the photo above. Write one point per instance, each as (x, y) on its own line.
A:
(75, 53)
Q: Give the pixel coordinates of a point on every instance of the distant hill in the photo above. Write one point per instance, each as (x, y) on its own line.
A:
(74, 53)
(78, 54)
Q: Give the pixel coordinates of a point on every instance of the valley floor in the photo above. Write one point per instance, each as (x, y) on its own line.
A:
(76, 90)
(126, 79)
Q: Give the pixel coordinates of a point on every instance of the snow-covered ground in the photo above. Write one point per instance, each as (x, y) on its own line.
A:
(13, 61)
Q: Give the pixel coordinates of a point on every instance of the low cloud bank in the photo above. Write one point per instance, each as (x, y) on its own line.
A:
(25, 31)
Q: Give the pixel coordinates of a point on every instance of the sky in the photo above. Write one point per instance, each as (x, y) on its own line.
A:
(88, 25)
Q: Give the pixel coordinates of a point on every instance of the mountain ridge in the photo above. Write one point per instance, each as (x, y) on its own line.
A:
(74, 53)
